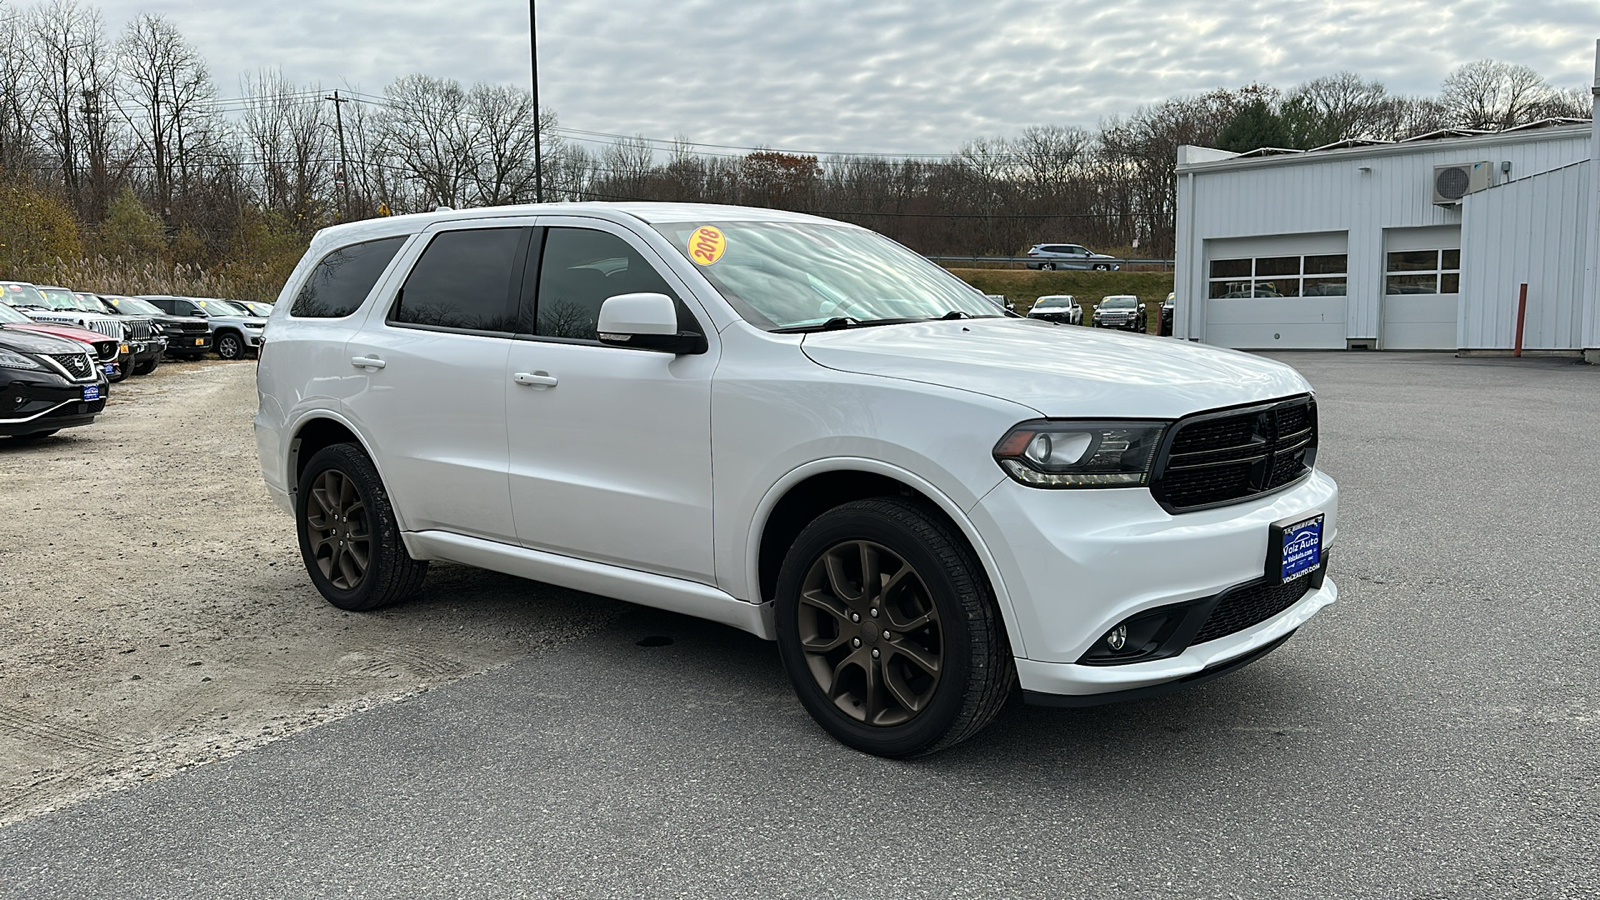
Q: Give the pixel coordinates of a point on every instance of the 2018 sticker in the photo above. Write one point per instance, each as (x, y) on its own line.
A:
(707, 244)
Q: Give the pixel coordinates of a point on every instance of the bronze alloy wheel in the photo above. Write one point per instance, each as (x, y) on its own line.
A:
(336, 527)
(870, 633)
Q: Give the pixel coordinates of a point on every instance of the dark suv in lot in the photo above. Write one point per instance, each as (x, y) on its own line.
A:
(47, 383)
(188, 337)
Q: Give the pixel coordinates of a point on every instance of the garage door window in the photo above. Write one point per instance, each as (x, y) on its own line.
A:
(1424, 272)
(1323, 275)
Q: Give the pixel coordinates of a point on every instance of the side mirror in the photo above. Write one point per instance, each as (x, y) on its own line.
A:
(646, 321)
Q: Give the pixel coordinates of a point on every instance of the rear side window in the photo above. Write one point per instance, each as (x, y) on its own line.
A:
(342, 280)
(465, 280)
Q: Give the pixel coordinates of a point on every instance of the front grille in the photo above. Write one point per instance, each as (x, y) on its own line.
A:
(138, 329)
(1254, 604)
(108, 327)
(1225, 457)
(78, 365)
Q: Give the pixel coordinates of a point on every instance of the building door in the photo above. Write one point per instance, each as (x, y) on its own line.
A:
(1421, 288)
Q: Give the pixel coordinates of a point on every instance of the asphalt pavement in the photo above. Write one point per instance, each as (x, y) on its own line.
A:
(1431, 735)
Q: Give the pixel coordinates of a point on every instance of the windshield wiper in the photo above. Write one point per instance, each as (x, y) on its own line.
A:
(838, 323)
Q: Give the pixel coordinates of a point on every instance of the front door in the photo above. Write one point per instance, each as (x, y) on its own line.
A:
(610, 446)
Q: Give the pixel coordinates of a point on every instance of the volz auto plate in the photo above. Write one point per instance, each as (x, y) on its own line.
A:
(92, 392)
(1294, 548)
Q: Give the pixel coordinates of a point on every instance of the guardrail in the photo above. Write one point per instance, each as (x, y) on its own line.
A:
(1012, 262)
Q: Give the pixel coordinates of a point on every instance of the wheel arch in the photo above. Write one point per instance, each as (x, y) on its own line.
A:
(810, 490)
(317, 430)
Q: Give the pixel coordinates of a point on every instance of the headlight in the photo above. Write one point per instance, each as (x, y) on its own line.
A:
(13, 360)
(1072, 454)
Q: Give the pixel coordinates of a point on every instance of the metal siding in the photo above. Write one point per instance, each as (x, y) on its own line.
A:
(1531, 231)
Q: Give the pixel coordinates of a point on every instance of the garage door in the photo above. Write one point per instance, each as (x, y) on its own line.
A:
(1285, 292)
(1421, 288)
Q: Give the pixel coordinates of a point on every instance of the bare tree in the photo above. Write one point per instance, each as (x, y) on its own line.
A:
(1335, 108)
(65, 37)
(19, 97)
(429, 137)
(289, 143)
(502, 166)
(1493, 94)
(166, 100)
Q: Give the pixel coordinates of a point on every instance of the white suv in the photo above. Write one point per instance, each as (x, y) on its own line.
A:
(801, 429)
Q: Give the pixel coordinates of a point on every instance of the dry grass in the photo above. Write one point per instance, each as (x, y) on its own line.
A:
(114, 276)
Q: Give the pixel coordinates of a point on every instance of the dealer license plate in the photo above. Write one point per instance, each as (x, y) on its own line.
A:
(110, 368)
(1294, 548)
(92, 392)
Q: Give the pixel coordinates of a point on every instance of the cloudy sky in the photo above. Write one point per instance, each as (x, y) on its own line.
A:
(871, 75)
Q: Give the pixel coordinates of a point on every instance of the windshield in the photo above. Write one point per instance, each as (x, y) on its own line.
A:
(222, 308)
(261, 310)
(135, 306)
(1053, 303)
(798, 275)
(1119, 302)
(18, 294)
(7, 314)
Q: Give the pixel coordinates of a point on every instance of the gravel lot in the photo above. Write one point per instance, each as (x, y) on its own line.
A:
(156, 614)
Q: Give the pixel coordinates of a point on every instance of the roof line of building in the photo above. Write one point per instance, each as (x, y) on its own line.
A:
(1245, 161)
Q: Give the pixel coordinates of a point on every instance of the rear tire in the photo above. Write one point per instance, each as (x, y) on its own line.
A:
(880, 567)
(349, 536)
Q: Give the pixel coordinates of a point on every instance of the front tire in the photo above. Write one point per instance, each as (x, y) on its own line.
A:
(145, 368)
(349, 536)
(888, 631)
(230, 345)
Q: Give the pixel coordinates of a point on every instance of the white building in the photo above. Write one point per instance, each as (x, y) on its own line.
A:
(1421, 244)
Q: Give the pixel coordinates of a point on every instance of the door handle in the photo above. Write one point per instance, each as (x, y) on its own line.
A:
(535, 379)
(367, 362)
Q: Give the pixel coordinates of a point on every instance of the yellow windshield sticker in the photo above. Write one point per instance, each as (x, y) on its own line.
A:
(706, 245)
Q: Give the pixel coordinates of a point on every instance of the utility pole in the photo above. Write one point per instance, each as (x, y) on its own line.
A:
(344, 161)
(538, 153)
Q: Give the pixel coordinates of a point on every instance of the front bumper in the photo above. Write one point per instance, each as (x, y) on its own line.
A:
(189, 343)
(29, 406)
(1077, 563)
(1133, 323)
(252, 338)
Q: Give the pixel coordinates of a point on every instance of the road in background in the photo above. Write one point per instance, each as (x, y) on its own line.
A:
(1432, 735)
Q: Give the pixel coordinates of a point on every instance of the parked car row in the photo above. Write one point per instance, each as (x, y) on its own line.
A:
(49, 332)
(1120, 311)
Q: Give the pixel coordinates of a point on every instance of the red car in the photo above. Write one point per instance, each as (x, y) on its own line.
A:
(105, 349)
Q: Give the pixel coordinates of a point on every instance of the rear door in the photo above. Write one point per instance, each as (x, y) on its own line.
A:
(429, 370)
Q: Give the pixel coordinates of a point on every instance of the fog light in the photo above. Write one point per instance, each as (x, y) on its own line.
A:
(1117, 638)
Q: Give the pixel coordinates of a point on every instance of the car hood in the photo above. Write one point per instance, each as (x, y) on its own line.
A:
(70, 332)
(30, 340)
(1058, 371)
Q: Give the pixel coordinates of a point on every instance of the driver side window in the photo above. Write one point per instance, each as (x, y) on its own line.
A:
(578, 269)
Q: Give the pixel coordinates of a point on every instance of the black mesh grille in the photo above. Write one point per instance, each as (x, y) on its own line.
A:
(1249, 606)
(1223, 458)
(75, 363)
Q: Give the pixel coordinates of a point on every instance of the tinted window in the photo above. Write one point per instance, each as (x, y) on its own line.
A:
(579, 269)
(342, 280)
(463, 280)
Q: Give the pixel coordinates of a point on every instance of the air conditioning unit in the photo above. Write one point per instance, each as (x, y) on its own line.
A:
(1451, 183)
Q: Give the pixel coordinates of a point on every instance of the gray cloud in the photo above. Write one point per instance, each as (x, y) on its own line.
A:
(901, 77)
